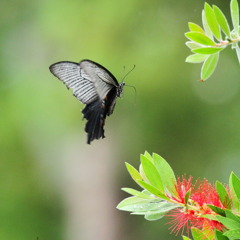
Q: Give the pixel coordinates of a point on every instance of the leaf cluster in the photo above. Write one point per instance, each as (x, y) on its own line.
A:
(154, 201)
(208, 41)
(156, 178)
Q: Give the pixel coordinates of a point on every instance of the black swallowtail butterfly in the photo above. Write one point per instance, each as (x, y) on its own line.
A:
(93, 85)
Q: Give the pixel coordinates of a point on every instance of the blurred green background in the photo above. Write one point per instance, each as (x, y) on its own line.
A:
(55, 186)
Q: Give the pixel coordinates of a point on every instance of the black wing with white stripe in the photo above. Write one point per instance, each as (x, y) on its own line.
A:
(87, 80)
(93, 85)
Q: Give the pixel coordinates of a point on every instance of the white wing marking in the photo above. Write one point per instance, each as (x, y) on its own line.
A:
(88, 80)
(102, 80)
(70, 74)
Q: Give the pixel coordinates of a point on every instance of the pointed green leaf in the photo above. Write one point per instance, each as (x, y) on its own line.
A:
(217, 210)
(238, 53)
(234, 197)
(144, 207)
(196, 58)
(148, 156)
(210, 216)
(206, 27)
(142, 173)
(212, 21)
(222, 21)
(153, 207)
(193, 45)
(235, 15)
(154, 217)
(130, 201)
(187, 195)
(137, 193)
(152, 190)
(133, 172)
(219, 235)
(209, 66)
(231, 215)
(200, 38)
(198, 234)
(166, 173)
(151, 173)
(207, 50)
(223, 195)
(146, 192)
(236, 185)
(186, 238)
(195, 28)
(228, 223)
(233, 234)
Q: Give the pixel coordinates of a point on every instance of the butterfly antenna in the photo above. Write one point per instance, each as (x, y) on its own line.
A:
(128, 72)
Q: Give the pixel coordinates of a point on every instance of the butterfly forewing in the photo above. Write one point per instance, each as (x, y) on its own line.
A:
(71, 75)
(103, 80)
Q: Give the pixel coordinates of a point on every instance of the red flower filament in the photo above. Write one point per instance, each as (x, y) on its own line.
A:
(190, 213)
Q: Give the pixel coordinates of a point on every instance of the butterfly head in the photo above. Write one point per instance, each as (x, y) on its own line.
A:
(120, 89)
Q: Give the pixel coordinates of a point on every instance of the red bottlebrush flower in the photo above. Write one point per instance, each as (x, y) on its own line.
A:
(190, 213)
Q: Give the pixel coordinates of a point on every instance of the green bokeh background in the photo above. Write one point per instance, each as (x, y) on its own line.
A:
(194, 125)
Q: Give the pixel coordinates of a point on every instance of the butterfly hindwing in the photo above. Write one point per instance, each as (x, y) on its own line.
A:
(94, 113)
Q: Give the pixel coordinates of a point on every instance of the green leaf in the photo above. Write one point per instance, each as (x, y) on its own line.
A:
(131, 201)
(209, 66)
(207, 50)
(151, 173)
(219, 235)
(137, 193)
(228, 223)
(234, 197)
(235, 15)
(233, 234)
(145, 207)
(200, 38)
(133, 204)
(152, 207)
(187, 195)
(217, 210)
(206, 27)
(223, 195)
(166, 173)
(133, 172)
(152, 190)
(142, 173)
(238, 53)
(195, 28)
(210, 216)
(231, 215)
(222, 21)
(148, 156)
(154, 217)
(212, 21)
(193, 45)
(186, 238)
(236, 185)
(196, 58)
(198, 234)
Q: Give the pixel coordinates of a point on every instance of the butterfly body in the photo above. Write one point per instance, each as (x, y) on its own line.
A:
(93, 85)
